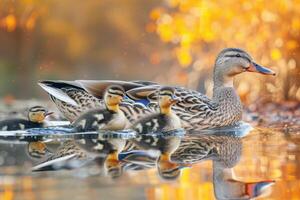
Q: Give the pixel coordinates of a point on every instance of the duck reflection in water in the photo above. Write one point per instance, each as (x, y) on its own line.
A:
(174, 153)
(77, 153)
(225, 152)
(66, 155)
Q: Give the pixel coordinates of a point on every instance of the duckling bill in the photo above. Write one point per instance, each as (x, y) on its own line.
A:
(36, 117)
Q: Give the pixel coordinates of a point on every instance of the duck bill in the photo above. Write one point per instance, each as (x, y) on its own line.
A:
(48, 113)
(254, 67)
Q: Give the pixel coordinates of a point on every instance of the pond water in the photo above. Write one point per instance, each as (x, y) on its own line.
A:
(261, 162)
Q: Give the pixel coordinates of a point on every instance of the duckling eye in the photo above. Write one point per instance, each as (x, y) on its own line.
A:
(238, 55)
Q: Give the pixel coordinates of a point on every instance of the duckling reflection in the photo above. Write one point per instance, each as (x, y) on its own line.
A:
(37, 150)
(165, 145)
(225, 152)
(108, 148)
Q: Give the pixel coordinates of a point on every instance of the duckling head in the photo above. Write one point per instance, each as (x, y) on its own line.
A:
(113, 97)
(38, 114)
(166, 98)
(233, 61)
(167, 169)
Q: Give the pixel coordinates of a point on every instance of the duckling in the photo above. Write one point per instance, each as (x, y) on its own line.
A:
(110, 118)
(36, 117)
(165, 120)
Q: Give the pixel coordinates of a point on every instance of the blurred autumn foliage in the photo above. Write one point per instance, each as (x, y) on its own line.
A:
(72, 39)
(269, 31)
(170, 41)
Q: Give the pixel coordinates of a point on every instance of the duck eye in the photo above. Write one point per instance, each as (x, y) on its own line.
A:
(238, 55)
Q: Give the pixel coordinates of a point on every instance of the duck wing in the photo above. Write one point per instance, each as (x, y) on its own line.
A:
(195, 149)
(59, 88)
(69, 92)
(221, 148)
(142, 82)
(70, 98)
(134, 111)
(190, 101)
(98, 87)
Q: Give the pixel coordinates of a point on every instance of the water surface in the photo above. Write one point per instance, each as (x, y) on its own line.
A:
(217, 166)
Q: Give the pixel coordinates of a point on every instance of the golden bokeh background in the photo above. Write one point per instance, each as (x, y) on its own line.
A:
(269, 31)
(170, 41)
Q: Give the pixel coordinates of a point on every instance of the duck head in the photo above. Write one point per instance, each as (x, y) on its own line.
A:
(233, 61)
(113, 97)
(38, 114)
(166, 99)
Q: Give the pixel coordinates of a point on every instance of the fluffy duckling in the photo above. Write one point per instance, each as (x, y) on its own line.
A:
(36, 118)
(165, 120)
(110, 118)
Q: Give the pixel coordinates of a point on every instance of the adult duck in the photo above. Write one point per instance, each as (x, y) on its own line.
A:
(195, 110)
